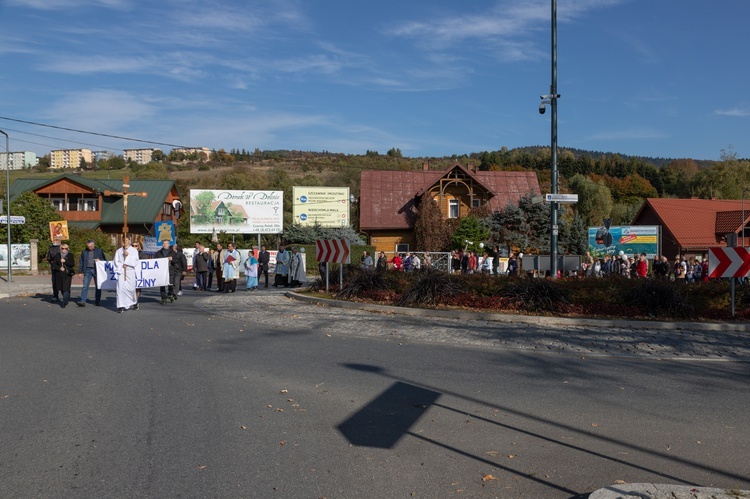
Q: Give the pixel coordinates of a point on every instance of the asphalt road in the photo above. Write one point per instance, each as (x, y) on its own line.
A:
(170, 401)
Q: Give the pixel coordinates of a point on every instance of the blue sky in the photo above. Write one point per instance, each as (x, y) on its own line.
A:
(666, 78)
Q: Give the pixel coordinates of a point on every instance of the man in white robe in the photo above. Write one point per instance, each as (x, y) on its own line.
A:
(125, 264)
(231, 268)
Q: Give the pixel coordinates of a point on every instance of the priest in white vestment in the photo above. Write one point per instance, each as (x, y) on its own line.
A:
(125, 264)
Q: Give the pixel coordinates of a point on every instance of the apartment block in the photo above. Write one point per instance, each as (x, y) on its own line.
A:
(140, 156)
(18, 160)
(69, 158)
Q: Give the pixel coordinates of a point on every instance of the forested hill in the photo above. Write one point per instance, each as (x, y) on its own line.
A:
(601, 155)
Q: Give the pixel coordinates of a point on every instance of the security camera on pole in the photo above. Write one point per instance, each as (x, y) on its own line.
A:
(551, 99)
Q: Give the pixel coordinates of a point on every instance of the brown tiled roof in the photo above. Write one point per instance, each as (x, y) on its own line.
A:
(696, 222)
(729, 221)
(387, 198)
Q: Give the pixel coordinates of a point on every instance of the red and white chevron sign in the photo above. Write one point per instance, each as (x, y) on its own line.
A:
(728, 262)
(332, 251)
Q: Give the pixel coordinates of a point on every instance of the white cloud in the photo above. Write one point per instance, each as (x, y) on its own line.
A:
(503, 28)
(101, 110)
(737, 111)
(69, 4)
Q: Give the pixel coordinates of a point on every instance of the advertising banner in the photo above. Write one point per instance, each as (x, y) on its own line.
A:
(20, 256)
(630, 239)
(152, 273)
(326, 206)
(236, 212)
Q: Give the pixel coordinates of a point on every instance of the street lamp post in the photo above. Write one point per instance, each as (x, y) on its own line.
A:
(742, 244)
(7, 197)
(551, 99)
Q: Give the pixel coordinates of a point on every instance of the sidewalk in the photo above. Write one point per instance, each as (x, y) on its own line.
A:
(25, 285)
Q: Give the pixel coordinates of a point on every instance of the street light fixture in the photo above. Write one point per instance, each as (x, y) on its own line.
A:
(551, 100)
(7, 197)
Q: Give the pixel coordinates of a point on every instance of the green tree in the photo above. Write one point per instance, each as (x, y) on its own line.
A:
(507, 227)
(158, 156)
(574, 237)
(38, 213)
(594, 200)
(624, 213)
(117, 163)
(470, 229)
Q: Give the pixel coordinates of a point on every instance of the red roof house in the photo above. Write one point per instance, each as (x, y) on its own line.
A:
(388, 198)
(691, 226)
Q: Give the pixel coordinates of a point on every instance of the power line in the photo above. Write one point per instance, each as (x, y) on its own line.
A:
(57, 138)
(91, 133)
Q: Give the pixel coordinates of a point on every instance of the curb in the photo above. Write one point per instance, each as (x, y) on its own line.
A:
(523, 319)
(663, 491)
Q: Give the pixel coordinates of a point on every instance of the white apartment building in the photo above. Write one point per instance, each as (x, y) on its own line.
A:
(18, 160)
(140, 156)
(68, 158)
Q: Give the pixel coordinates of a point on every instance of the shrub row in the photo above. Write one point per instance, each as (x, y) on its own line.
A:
(612, 296)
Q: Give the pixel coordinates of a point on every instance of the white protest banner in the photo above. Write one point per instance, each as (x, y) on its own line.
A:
(152, 273)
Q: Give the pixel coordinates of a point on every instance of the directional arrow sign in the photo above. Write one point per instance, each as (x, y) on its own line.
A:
(561, 198)
(728, 262)
(14, 220)
(332, 250)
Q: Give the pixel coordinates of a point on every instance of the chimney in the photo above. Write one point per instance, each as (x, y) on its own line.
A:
(425, 165)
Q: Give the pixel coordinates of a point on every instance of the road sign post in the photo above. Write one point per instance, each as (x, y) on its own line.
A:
(333, 251)
(561, 198)
(14, 220)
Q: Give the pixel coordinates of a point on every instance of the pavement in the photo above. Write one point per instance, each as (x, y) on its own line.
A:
(676, 341)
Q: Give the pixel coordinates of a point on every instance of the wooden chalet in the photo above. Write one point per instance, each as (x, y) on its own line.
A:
(388, 199)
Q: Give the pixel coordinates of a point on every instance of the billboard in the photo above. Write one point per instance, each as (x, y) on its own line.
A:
(20, 256)
(629, 239)
(236, 212)
(326, 206)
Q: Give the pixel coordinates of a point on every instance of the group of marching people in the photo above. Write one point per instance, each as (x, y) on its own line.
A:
(222, 263)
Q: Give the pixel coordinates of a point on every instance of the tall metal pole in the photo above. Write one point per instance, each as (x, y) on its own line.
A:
(553, 105)
(7, 197)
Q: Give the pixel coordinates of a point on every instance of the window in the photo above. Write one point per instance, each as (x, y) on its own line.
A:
(476, 202)
(453, 207)
(87, 204)
(166, 209)
(402, 248)
(58, 204)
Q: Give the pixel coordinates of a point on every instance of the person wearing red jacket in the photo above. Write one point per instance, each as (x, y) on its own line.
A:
(397, 262)
(641, 268)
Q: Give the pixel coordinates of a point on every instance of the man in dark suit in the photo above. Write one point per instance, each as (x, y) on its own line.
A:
(87, 270)
(264, 259)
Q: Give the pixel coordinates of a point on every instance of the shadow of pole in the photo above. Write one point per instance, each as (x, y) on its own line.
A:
(382, 372)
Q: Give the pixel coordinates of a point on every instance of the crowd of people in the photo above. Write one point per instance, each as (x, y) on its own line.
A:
(221, 266)
(683, 269)
(217, 265)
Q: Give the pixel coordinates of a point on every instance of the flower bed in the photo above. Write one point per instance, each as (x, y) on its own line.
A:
(610, 297)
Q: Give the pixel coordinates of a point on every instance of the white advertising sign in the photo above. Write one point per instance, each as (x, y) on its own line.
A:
(152, 274)
(236, 212)
(326, 206)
